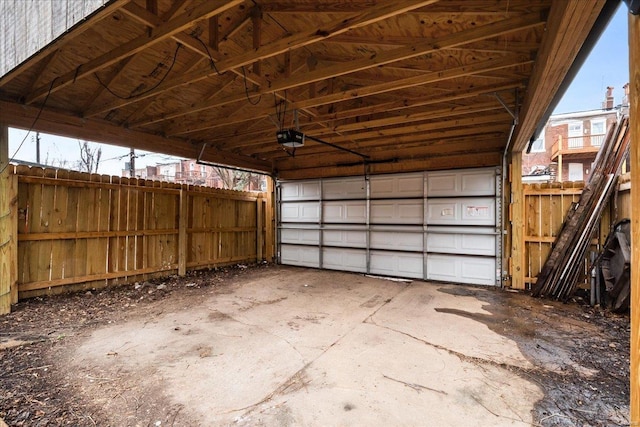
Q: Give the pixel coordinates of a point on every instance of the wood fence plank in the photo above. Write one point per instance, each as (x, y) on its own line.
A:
(8, 227)
(117, 229)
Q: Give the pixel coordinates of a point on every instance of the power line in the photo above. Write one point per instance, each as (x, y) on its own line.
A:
(12, 158)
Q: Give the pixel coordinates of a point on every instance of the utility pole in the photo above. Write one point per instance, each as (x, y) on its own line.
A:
(132, 163)
(38, 147)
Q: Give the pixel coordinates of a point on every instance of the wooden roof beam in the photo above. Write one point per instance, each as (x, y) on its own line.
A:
(331, 156)
(424, 79)
(202, 125)
(426, 126)
(478, 7)
(22, 116)
(570, 22)
(411, 118)
(418, 164)
(466, 36)
(483, 45)
(268, 150)
(379, 108)
(366, 17)
(151, 10)
(419, 102)
(176, 25)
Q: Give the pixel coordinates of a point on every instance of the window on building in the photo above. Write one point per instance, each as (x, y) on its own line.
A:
(598, 129)
(538, 145)
(575, 135)
(192, 167)
(576, 172)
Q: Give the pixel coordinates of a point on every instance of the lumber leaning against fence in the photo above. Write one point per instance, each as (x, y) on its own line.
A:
(634, 113)
(86, 231)
(559, 275)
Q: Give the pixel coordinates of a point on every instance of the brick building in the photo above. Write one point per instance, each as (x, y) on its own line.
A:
(190, 172)
(568, 145)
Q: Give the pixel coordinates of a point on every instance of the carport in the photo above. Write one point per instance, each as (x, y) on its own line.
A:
(393, 100)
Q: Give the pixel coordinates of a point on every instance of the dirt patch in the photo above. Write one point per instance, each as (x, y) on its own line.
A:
(35, 339)
(579, 354)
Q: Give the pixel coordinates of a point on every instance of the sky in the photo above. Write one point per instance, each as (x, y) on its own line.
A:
(607, 65)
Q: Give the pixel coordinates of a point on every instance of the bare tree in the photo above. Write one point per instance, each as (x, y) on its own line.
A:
(237, 180)
(89, 158)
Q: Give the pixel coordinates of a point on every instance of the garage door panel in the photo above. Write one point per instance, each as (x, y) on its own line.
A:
(346, 188)
(462, 243)
(461, 269)
(397, 186)
(397, 211)
(300, 212)
(471, 182)
(406, 241)
(300, 236)
(478, 271)
(351, 212)
(478, 183)
(345, 238)
(461, 211)
(304, 190)
(345, 259)
(303, 256)
(397, 264)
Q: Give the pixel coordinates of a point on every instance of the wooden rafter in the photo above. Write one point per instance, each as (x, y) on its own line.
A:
(477, 7)
(569, 21)
(278, 47)
(462, 37)
(103, 131)
(385, 107)
(151, 10)
(419, 164)
(403, 129)
(136, 45)
(436, 76)
(269, 150)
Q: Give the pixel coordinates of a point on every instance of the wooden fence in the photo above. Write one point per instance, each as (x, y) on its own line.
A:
(77, 230)
(546, 206)
(8, 263)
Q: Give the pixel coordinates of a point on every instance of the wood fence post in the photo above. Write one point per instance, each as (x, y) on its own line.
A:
(182, 231)
(269, 233)
(517, 222)
(259, 228)
(8, 227)
(634, 160)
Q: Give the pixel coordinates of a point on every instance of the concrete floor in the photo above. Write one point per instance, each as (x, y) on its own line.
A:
(304, 347)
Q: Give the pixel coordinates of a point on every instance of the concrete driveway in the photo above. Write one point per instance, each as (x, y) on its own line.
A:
(293, 346)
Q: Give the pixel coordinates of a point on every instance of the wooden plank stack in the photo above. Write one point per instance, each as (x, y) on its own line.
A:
(558, 278)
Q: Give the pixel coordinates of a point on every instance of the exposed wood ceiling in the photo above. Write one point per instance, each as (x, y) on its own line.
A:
(411, 84)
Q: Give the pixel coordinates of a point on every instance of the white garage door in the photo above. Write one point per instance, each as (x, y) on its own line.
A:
(431, 225)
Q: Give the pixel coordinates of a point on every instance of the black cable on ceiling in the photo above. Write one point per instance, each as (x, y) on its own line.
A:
(246, 89)
(213, 63)
(132, 96)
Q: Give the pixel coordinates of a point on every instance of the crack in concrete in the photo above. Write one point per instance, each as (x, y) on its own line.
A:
(285, 386)
(463, 357)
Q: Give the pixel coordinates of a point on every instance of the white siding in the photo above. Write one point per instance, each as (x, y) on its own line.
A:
(28, 26)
